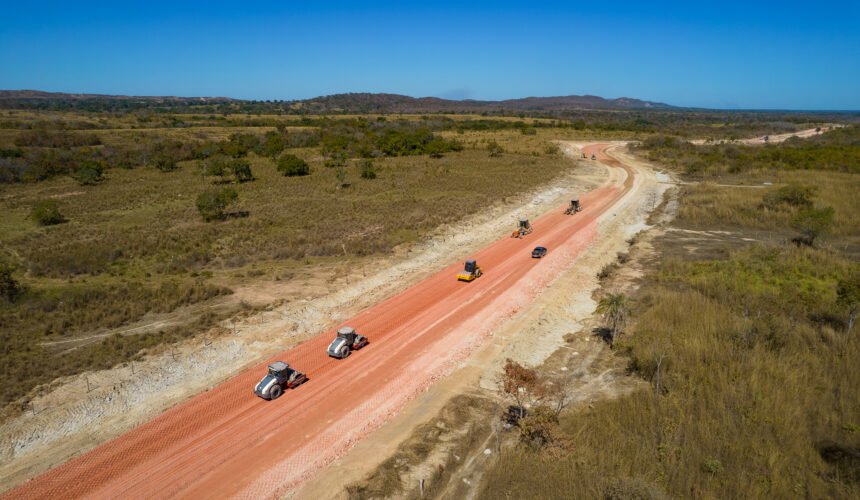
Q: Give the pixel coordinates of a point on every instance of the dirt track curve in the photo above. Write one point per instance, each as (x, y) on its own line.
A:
(227, 442)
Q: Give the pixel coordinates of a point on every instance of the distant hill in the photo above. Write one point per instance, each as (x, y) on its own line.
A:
(39, 95)
(395, 103)
(338, 103)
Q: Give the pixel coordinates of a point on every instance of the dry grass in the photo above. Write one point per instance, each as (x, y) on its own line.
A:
(756, 378)
(135, 243)
(757, 382)
(715, 206)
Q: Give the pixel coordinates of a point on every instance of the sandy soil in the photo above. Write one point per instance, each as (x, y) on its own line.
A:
(82, 412)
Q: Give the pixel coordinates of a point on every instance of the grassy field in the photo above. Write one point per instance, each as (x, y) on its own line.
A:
(752, 371)
(134, 243)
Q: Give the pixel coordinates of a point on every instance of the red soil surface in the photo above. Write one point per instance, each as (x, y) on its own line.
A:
(229, 442)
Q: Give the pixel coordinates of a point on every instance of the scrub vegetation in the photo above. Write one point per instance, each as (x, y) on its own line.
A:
(837, 150)
(104, 223)
(748, 344)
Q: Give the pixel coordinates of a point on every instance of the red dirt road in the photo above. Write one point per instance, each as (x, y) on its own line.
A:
(228, 442)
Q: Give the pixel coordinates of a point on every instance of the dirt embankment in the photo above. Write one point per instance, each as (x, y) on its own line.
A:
(81, 412)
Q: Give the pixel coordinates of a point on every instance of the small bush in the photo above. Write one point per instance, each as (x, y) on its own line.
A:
(811, 223)
(215, 166)
(293, 166)
(494, 148)
(795, 195)
(164, 163)
(211, 204)
(47, 213)
(272, 145)
(242, 170)
(712, 466)
(90, 174)
(367, 170)
(10, 289)
(437, 147)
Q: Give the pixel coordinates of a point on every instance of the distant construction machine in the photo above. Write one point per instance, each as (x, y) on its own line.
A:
(523, 229)
(347, 340)
(470, 271)
(573, 208)
(279, 377)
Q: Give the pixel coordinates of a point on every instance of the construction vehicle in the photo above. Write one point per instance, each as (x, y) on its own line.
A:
(573, 208)
(470, 271)
(279, 377)
(347, 340)
(523, 229)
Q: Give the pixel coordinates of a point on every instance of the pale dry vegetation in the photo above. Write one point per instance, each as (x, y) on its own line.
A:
(141, 237)
(750, 357)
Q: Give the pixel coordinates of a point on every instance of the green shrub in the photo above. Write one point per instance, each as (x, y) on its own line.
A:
(164, 163)
(242, 170)
(848, 297)
(215, 166)
(811, 223)
(795, 195)
(10, 289)
(367, 170)
(293, 166)
(272, 145)
(47, 213)
(90, 174)
(211, 204)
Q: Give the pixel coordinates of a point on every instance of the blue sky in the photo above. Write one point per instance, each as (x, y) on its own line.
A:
(778, 55)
